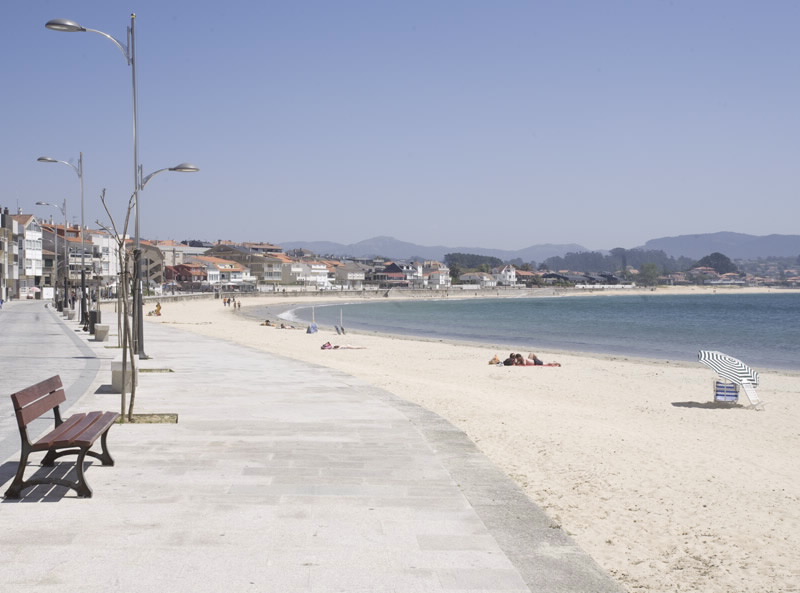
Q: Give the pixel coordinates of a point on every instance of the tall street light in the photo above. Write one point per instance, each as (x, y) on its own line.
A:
(63, 210)
(141, 183)
(79, 171)
(129, 52)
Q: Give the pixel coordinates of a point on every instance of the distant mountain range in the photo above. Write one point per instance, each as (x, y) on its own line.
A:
(395, 249)
(734, 245)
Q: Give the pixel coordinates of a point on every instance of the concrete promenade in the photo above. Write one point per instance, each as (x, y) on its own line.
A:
(278, 477)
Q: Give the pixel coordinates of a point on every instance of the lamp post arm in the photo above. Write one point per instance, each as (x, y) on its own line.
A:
(145, 180)
(78, 170)
(125, 49)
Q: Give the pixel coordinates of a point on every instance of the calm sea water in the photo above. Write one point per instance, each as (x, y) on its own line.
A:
(761, 329)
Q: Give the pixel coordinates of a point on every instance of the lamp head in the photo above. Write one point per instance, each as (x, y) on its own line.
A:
(42, 203)
(46, 159)
(64, 25)
(185, 168)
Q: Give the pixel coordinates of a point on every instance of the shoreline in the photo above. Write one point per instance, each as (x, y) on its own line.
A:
(663, 488)
(289, 304)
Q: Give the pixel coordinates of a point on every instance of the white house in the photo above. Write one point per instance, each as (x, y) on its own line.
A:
(437, 274)
(482, 279)
(29, 244)
(220, 271)
(505, 276)
(305, 273)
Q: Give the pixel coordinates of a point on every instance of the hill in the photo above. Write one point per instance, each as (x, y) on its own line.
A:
(395, 249)
(734, 245)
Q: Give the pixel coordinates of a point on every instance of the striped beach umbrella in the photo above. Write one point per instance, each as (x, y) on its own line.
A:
(729, 368)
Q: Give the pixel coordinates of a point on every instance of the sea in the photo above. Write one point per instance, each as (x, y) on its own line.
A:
(762, 330)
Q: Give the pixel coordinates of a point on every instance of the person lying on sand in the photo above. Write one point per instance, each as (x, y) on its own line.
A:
(496, 360)
(518, 360)
(533, 360)
(266, 322)
(329, 346)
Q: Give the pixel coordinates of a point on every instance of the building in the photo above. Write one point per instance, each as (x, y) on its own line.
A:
(481, 279)
(306, 273)
(505, 276)
(29, 262)
(152, 261)
(220, 271)
(265, 248)
(350, 275)
(9, 255)
(263, 264)
(436, 275)
(102, 267)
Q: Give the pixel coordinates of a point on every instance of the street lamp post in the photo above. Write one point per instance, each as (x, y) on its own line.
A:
(63, 209)
(137, 254)
(129, 52)
(79, 171)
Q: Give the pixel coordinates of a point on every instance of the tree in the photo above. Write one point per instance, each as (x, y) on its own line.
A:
(469, 261)
(125, 287)
(648, 274)
(620, 259)
(719, 262)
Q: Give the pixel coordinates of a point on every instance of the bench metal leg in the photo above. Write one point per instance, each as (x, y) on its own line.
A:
(15, 490)
(82, 488)
(105, 456)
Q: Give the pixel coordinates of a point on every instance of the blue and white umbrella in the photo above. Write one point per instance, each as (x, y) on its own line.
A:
(728, 367)
(735, 370)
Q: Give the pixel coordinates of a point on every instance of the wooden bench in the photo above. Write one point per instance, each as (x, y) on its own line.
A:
(73, 436)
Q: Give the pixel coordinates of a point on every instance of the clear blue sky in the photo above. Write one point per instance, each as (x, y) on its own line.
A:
(441, 122)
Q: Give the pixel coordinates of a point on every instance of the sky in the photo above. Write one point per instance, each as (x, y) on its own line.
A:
(461, 123)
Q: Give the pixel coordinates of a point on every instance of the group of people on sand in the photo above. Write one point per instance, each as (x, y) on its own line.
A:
(517, 360)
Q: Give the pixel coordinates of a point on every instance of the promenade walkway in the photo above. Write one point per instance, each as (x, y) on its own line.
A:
(278, 477)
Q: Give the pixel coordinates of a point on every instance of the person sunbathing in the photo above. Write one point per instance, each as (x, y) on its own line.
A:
(329, 346)
(534, 360)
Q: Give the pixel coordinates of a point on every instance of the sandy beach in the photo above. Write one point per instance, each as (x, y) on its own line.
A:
(666, 490)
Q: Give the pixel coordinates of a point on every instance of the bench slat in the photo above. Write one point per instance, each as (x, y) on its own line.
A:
(34, 401)
(48, 440)
(34, 392)
(86, 431)
(40, 407)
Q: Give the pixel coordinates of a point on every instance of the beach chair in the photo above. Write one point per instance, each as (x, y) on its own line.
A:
(750, 391)
(725, 391)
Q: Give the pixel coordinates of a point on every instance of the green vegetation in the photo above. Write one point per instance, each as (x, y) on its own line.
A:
(719, 262)
(593, 262)
(469, 261)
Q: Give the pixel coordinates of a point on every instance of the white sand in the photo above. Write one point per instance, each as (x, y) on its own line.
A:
(666, 491)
